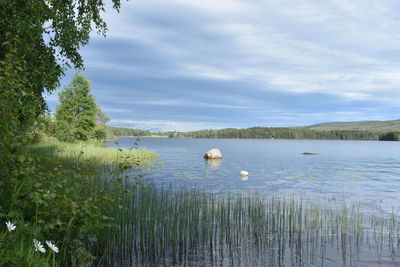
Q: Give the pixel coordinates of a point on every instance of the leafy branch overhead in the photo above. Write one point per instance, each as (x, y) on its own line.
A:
(50, 34)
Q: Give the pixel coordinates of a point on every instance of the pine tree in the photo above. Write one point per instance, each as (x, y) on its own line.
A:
(77, 111)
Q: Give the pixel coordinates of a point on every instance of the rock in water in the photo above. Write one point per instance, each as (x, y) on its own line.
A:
(309, 153)
(244, 173)
(214, 153)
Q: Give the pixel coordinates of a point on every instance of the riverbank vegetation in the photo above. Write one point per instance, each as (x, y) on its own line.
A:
(51, 212)
(61, 180)
(63, 199)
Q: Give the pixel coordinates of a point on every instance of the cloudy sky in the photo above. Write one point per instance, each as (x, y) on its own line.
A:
(189, 64)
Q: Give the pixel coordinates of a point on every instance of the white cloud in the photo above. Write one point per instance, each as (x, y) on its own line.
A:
(343, 49)
(115, 110)
(261, 34)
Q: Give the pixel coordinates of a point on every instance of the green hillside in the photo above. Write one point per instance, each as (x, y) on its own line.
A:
(382, 126)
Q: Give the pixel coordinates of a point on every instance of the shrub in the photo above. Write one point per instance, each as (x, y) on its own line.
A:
(390, 136)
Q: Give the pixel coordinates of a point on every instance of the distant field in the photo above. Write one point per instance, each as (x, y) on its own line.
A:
(392, 125)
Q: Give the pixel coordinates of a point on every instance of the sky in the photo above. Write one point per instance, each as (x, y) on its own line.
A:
(182, 65)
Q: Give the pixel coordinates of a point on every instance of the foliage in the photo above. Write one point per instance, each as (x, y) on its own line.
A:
(100, 134)
(16, 248)
(122, 131)
(50, 34)
(62, 198)
(283, 133)
(41, 129)
(102, 118)
(38, 40)
(390, 136)
(77, 111)
(15, 162)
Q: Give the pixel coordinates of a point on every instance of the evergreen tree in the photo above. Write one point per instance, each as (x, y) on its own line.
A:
(76, 114)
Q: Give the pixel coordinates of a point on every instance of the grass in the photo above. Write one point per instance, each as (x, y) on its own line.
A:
(170, 227)
(98, 155)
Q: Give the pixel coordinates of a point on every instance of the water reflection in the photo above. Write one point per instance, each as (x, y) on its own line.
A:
(214, 163)
(244, 178)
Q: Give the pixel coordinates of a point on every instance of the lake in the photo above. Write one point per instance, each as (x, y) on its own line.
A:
(282, 220)
(366, 172)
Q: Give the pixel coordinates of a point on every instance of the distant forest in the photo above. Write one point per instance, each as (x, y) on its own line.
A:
(122, 131)
(292, 133)
(267, 133)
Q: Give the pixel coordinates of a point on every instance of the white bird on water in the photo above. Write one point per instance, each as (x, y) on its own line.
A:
(244, 173)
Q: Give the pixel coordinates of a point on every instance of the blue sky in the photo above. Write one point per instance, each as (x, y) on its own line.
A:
(188, 64)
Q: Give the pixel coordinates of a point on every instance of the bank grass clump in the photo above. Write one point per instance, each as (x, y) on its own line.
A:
(93, 152)
(185, 227)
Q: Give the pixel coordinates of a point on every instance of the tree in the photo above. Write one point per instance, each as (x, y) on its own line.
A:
(101, 129)
(77, 111)
(102, 118)
(390, 136)
(39, 40)
(49, 35)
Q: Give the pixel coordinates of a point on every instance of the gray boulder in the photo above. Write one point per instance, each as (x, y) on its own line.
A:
(214, 153)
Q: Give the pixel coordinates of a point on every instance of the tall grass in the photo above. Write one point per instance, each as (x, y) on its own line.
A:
(72, 154)
(168, 226)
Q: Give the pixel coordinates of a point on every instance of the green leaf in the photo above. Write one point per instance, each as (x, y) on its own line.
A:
(21, 158)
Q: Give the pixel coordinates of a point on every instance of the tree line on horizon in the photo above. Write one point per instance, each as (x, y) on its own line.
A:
(291, 133)
(124, 131)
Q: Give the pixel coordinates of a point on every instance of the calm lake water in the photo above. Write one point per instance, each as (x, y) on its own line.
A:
(367, 172)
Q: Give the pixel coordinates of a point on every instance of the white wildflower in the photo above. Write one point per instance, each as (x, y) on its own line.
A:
(52, 246)
(10, 226)
(38, 246)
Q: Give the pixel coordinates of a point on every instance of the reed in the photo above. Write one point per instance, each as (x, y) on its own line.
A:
(170, 226)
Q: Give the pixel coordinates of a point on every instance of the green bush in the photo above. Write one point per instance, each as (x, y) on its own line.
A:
(390, 136)
(62, 198)
(100, 134)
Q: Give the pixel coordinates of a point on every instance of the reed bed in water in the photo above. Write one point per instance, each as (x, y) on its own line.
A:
(185, 227)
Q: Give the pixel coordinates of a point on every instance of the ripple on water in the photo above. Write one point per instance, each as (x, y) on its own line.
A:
(366, 171)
